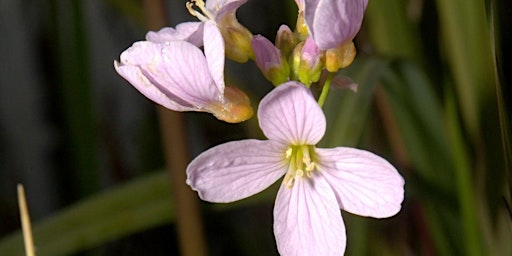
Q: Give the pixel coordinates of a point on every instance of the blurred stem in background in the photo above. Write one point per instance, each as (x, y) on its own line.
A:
(175, 146)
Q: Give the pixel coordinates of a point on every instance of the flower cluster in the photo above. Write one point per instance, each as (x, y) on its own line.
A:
(182, 69)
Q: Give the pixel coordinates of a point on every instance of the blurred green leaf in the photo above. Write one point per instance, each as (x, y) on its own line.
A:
(467, 49)
(135, 206)
(420, 121)
(347, 111)
(130, 8)
(68, 35)
(391, 31)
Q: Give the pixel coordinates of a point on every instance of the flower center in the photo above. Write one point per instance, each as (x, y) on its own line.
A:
(301, 162)
(202, 13)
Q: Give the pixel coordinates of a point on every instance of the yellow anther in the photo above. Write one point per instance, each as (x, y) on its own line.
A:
(288, 153)
(310, 167)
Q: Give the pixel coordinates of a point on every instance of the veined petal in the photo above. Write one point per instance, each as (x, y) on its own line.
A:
(185, 73)
(307, 220)
(132, 67)
(289, 114)
(364, 183)
(214, 51)
(236, 170)
(134, 75)
(187, 31)
(333, 22)
(267, 55)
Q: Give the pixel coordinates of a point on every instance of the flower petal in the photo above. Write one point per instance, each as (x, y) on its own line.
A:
(186, 31)
(236, 170)
(364, 183)
(132, 68)
(134, 75)
(333, 22)
(214, 51)
(289, 114)
(307, 220)
(184, 72)
(267, 55)
(220, 8)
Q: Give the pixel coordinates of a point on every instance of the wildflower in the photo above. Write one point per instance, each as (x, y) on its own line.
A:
(177, 75)
(317, 182)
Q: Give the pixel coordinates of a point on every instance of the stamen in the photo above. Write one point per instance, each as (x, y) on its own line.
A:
(288, 152)
(203, 14)
(300, 163)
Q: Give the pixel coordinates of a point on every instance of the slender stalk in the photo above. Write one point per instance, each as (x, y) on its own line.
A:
(25, 222)
(325, 89)
(172, 125)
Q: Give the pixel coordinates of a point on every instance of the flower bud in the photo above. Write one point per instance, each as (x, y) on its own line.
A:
(340, 57)
(270, 60)
(310, 66)
(285, 40)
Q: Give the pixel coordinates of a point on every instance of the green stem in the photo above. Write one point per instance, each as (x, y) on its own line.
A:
(325, 89)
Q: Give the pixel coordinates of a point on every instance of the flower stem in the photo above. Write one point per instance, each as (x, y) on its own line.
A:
(325, 89)
(188, 218)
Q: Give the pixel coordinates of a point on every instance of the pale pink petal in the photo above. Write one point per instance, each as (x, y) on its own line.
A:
(187, 31)
(132, 67)
(267, 55)
(214, 51)
(184, 72)
(133, 74)
(364, 183)
(236, 170)
(194, 32)
(307, 219)
(333, 22)
(289, 114)
(220, 8)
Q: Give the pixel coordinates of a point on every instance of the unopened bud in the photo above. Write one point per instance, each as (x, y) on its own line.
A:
(270, 60)
(285, 40)
(310, 67)
(340, 57)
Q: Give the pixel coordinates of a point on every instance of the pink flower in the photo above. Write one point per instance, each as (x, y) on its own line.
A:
(179, 76)
(317, 182)
(332, 22)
